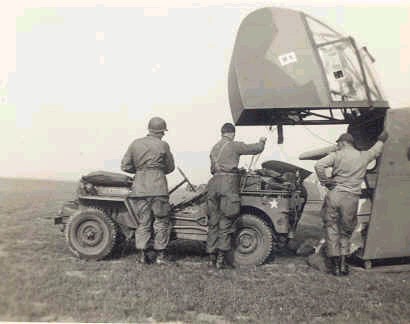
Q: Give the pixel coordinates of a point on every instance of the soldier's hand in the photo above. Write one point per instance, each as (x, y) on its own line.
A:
(262, 140)
(383, 136)
(330, 184)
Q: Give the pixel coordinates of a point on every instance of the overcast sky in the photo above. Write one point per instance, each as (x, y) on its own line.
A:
(79, 80)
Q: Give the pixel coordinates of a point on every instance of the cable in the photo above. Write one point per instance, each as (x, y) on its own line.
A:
(317, 136)
(282, 153)
(270, 131)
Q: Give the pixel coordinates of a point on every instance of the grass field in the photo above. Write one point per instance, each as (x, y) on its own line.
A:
(41, 281)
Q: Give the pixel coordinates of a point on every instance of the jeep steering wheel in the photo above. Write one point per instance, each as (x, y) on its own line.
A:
(186, 179)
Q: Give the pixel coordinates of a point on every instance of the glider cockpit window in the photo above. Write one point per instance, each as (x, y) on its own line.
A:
(348, 68)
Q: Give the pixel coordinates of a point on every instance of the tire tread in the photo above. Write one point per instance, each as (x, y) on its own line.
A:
(114, 230)
(268, 238)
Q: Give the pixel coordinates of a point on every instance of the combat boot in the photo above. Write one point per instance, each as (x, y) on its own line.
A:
(212, 260)
(335, 265)
(222, 261)
(344, 267)
(141, 257)
(162, 258)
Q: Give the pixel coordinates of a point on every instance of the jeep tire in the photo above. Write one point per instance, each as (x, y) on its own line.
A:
(252, 241)
(91, 234)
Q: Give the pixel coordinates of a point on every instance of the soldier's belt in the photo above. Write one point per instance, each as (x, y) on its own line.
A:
(226, 173)
(148, 169)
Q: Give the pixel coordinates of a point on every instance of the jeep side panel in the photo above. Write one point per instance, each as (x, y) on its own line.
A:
(275, 208)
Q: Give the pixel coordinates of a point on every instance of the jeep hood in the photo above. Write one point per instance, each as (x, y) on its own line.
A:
(282, 167)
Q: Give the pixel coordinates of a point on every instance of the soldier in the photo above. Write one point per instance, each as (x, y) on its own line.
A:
(339, 209)
(223, 201)
(150, 159)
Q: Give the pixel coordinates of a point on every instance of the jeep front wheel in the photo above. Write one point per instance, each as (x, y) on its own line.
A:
(91, 234)
(252, 241)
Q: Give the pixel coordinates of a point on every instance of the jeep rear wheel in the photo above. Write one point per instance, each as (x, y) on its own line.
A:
(91, 234)
(252, 241)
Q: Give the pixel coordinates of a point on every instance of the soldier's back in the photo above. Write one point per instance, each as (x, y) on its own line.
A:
(148, 152)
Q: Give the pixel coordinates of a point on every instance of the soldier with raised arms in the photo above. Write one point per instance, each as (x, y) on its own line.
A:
(150, 159)
(223, 201)
(339, 211)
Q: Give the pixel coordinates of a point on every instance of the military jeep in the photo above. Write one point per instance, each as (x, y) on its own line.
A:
(272, 202)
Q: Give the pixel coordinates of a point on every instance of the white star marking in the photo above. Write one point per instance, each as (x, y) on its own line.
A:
(273, 203)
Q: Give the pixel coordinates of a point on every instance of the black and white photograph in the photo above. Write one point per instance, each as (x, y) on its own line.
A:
(205, 161)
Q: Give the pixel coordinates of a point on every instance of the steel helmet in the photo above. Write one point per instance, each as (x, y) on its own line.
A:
(157, 125)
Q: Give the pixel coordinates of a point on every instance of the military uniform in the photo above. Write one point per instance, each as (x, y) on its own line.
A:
(150, 159)
(339, 210)
(223, 201)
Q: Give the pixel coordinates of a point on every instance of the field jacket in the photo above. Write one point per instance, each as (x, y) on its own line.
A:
(348, 167)
(226, 153)
(150, 159)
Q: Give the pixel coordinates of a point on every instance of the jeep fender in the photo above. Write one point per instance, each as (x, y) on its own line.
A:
(275, 208)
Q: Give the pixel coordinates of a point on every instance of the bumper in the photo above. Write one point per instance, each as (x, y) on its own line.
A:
(64, 213)
(59, 220)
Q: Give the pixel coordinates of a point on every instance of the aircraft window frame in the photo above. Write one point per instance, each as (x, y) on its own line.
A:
(361, 78)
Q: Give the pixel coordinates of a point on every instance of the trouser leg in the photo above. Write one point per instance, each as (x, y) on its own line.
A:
(225, 233)
(224, 241)
(230, 209)
(161, 232)
(331, 224)
(223, 205)
(348, 221)
(214, 216)
(211, 242)
(344, 244)
(142, 209)
(332, 238)
(330, 219)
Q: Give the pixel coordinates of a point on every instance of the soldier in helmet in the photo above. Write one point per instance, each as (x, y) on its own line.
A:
(339, 209)
(223, 201)
(150, 159)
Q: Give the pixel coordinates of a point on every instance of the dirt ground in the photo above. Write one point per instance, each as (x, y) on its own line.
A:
(42, 281)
